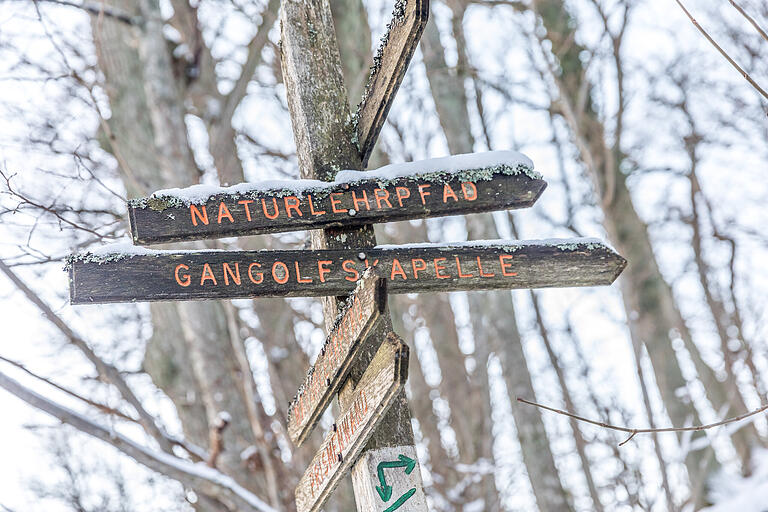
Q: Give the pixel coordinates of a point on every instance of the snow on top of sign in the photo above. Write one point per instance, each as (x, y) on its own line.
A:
(119, 251)
(471, 167)
(197, 194)
(448, 164)
(564, 244)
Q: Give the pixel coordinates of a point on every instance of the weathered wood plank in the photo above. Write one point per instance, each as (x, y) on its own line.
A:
(171, 275)
(373, 395)
(389, 67)
(254, 209)
(364, 310)
(389, 480)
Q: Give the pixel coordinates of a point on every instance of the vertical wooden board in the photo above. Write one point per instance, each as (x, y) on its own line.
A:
(373, 395)
(364, 309)
(389, 67)
(391, 480)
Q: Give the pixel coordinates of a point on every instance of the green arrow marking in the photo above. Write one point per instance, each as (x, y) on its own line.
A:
(402, 499)
(385, 491)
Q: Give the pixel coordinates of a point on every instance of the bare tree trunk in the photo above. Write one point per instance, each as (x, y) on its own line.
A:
(190, 356)
(492, 313)
(650, 305)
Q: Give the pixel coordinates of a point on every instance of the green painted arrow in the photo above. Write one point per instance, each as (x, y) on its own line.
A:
(402, 499)
(385, 491)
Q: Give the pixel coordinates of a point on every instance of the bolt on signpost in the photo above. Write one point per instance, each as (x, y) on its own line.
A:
(363, 363)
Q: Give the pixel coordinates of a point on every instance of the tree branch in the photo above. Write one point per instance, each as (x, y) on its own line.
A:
(106, 371)
(198, 476)
(722, 52)
(97, 9)
(634, 431)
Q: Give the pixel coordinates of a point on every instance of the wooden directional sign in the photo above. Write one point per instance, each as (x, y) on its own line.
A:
(373, 395)
(363, 311)
(147, 275)
(389, 66)
(446, 186)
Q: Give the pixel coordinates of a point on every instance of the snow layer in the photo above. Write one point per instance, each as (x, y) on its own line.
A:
(507, 162)
(449, 164)
(742, 494)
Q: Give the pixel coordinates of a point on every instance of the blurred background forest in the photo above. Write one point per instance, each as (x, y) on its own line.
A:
(646, 135)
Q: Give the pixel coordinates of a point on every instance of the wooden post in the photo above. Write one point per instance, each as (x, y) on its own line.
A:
(325, 136)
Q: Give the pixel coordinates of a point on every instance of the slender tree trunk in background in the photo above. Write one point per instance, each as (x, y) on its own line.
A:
(189, 356)
(578, 438)
(651, 308)
(492, 313)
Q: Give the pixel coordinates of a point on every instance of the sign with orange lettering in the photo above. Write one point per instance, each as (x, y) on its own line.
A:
(449, 186)
(129, 274)
(345, 441)
(363, 310)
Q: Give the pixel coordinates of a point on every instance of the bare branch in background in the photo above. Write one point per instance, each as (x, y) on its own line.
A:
(96, 9)
(634, 431)
(108, 372)
(750, 19)
(198, 476)
(723, 52)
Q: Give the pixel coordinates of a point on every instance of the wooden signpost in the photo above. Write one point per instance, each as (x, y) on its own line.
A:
(373, 395)
(364, 309)
(187, 275)
(399, 192)
(389, 66)
(385, 473)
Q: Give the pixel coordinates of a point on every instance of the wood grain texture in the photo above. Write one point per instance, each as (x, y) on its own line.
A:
(364, 310)
(388, 70)
(168, 275)
(403, 489)
(343, 444)
(159, 220)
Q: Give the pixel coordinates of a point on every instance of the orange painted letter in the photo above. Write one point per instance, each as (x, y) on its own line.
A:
(298, 274)
(468, 187)
(480, 268)
(292, 205)
(195, 212)
(335, 202)
(280, 280)
(245, 203)
(382, 196)
(228, 273)
(322, 270)
(423, 194)
(448, 192)
(422, 265)
(259, 279)
(438, 268)
(207, 274)
(185, 279)
(458, 266)
(505, 265)
(312, 207)
(355, 274)
(224, 212)
(397, 269)
(272, 216)
(402, 193)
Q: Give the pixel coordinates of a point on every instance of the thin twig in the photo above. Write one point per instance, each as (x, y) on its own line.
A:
(93, 403)
(634, 431)
(208, 480)
(750, 19)
(98, 9)
(722, 52)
